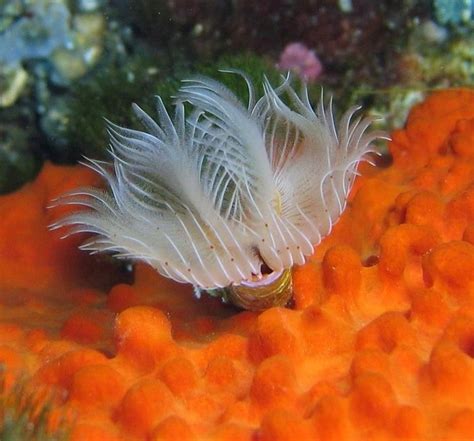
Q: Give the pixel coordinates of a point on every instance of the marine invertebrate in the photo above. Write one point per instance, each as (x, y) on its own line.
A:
(220, 196)
(379, 343)
(300, 60)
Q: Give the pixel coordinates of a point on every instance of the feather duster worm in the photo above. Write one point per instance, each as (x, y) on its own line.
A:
(229, 195)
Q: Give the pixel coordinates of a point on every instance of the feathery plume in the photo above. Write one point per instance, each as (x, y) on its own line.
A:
(212, 197)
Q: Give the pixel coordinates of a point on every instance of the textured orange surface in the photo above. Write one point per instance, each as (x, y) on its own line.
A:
(379, 344)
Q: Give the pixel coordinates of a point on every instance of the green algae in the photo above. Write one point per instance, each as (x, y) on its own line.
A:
(112, 90)
(18, 162)
(25, 416)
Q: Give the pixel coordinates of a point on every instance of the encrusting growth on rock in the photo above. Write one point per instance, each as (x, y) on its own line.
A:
(379, 344)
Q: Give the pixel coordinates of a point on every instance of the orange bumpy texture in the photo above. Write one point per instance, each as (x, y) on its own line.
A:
(379, 344)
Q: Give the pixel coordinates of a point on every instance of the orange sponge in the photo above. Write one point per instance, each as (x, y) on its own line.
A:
(378, 345)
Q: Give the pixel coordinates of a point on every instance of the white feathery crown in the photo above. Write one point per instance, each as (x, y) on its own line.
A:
(210, 197)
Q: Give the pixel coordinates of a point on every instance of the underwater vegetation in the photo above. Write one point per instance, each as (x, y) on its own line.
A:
(24, 415)
(110, 92)
(377, 345)
(17, 160)
(212, 196)
(107, 94)
(370, 52)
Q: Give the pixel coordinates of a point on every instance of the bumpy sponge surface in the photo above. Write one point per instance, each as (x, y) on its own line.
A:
(379, 344)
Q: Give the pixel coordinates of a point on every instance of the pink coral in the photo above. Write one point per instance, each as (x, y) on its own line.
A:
(301, 60)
